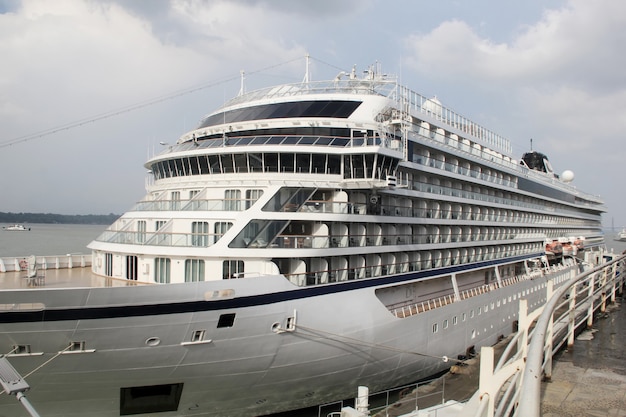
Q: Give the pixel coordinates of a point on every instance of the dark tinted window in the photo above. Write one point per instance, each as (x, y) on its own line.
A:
(336, 108)
(150, 399)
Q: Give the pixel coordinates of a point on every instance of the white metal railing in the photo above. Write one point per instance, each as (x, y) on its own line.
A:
(70, 260)
(513, 386)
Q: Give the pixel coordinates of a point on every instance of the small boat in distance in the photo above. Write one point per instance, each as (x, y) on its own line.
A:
(16, 228)
(621, 236)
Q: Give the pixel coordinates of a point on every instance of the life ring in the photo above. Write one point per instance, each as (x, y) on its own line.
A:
(23, 264)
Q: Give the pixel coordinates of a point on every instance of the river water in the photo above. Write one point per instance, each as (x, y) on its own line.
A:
(48, 239)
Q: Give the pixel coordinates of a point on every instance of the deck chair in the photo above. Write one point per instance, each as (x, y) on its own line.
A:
(34, 277)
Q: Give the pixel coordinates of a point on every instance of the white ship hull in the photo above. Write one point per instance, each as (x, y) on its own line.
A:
(341, 338)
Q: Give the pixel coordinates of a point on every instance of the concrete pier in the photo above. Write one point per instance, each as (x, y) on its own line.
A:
(589, 379)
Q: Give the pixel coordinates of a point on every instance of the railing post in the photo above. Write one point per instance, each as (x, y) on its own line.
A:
(548, 348)
(571, 326)
(603, 286)
(486, 375)
(592, 281)
(522, 343)
(614, 283)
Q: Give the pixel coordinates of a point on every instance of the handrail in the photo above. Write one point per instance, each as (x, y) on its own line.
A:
(530, 392)
(512, 388)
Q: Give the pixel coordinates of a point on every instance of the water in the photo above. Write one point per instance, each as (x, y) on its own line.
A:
(48, 239)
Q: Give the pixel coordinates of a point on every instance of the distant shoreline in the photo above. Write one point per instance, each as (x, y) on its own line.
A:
(52, 218)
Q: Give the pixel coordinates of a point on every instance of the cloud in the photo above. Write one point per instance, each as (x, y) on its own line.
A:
(565, 46)
(559, 80)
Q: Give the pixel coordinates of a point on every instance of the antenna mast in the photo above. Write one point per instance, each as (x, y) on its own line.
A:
(307, 74)
(242, 88)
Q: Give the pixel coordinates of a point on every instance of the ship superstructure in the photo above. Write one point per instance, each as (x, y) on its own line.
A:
(325, 182)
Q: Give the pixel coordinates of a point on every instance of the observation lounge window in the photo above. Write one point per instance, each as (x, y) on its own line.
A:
(227, 163)
(303, 162)
(310, 108)
(256, 162)
(271, 162)
(287, 163)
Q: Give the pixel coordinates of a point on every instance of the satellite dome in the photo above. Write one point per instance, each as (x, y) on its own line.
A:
(433, 105)
(567, 176)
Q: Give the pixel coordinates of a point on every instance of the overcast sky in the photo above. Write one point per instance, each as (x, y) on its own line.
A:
(89, 88)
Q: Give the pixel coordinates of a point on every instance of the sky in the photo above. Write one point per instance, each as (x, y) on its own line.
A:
(88, 88)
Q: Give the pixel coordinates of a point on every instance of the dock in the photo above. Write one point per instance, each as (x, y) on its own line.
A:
(567, 359)
(588, 379)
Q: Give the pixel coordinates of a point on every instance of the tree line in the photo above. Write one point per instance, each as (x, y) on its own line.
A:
(58, 218)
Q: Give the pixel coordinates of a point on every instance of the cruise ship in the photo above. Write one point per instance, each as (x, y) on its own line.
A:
(301, 241)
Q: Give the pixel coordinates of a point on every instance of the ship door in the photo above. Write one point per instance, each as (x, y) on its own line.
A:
(131, 268)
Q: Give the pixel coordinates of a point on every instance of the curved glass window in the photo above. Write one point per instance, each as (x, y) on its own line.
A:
(312, 108)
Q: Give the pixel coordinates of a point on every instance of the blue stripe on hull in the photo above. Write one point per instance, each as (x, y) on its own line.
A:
(92, 313)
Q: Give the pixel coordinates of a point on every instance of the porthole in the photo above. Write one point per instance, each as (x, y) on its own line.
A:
(153, 341)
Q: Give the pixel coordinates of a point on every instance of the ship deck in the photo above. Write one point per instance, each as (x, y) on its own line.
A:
(60, 278)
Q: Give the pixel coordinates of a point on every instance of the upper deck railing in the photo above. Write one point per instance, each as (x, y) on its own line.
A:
(406, 99)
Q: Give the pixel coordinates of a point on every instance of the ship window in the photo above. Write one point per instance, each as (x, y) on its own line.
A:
(77, 346)
(319, 163)
(141, 231)
(226, 320)
(445, 324)
(241, 162)
(131, 268)
(232, 200)
(175, 200)
(162, 270)
(221, 228)
(194, 270)
(232, 269)
(287, 162)
(200, 234)
(158, 224)
(108, 264)
(310, 108)
(21, 350)
(203, 163)
(150, 399)
(271, 162)
(198, 335)
(252, 196)
(256, 162)
(303, 162)
(435, 328)
(214, 164)
(227, 163)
